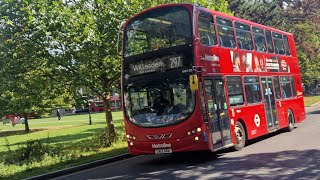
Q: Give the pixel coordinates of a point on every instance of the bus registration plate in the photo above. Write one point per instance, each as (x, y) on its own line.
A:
(163, 151)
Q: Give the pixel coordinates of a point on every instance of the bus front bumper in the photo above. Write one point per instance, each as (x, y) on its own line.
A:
(190, 143)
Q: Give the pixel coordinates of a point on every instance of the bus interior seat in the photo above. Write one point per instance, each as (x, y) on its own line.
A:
(240, 44)
(221, 42)
(232, 44)
(205, 40)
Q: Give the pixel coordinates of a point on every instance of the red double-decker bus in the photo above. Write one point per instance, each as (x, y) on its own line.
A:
(197, 79)
(98, 106)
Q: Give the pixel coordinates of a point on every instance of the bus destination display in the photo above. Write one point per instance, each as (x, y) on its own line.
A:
(158, 64)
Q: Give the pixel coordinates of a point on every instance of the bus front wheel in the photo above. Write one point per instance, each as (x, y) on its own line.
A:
(290, 121)
(240, 136)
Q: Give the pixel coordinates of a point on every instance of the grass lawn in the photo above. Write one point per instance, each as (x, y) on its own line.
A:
(72, 134)
(309, 100)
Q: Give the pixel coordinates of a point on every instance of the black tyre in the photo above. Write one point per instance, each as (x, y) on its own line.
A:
(290, 121)
(241, 137)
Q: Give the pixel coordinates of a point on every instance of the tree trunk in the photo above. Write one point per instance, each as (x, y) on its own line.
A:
(26, 124)
(315, 87)
(109, 120)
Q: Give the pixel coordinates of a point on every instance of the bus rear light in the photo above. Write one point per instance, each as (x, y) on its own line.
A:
(193, 131)
(133, 137)
(128, 136)
(131, 143)
(198, 130)
(189, 133)
(196, 138)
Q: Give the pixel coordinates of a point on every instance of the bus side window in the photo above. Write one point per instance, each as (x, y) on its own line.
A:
(286, 87)
(226, 34)
(278, 43)
(259, 41)
(252, 88)
(244, 37)
(277, 87)
(293, 86)
(235, 90)
(206, 29)
(269, 42)
(286, 45)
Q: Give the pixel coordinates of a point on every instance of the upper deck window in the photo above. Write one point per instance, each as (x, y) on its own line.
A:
(269, 42)
(286, 45)
(206, 29)
(158, 29)
(243, 36)
(259, 41)
(277, 39)
(225, 31)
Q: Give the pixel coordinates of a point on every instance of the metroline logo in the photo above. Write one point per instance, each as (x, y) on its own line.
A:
(163, 145)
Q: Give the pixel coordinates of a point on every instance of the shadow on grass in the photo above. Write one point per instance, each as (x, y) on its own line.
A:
(67, 140)
(19, 132)
(62, 165)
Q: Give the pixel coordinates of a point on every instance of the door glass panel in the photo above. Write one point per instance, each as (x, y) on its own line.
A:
(273, 102)
(222, 109)
(218, 112)
(212, 109)
(269, 102)
(266, 92)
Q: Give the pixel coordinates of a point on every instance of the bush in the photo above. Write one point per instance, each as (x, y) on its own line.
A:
(34, 150)
(102, 139)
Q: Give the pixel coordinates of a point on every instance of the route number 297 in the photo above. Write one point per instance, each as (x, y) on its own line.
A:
(175, 62)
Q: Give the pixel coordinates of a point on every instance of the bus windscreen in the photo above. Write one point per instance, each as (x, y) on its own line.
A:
(159, 102)
(157, 29)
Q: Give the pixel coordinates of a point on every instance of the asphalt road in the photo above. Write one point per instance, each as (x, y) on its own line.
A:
(281, 155)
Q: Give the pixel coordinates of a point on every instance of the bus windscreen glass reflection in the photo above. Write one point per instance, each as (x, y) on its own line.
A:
(154, 103)
(157, 29)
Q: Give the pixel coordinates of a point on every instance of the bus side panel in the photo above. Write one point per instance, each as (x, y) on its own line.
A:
(300, 113)
(253, 117)
(282, 113)
(296, 106)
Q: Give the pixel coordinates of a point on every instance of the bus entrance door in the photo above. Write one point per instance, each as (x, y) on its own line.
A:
(217, 112)
(269, 103)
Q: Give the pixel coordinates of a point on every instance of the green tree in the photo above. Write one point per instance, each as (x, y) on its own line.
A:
(302, 18)
(83, 36)
(26, 79)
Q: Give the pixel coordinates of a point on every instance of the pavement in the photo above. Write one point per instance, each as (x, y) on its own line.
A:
(80, 167)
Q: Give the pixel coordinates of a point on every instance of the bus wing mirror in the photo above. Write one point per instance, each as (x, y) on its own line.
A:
(193, 82)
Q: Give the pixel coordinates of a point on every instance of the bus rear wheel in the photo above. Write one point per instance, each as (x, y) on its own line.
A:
(240, 136)
(290, 121)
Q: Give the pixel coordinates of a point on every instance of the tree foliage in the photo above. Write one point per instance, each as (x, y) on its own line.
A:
(302, 18)
(26, 82)
(54, 47)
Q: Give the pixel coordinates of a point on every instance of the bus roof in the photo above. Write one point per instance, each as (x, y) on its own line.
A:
(190, 6)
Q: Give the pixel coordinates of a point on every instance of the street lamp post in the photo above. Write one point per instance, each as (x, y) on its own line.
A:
(90, 122)
(87, 98)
